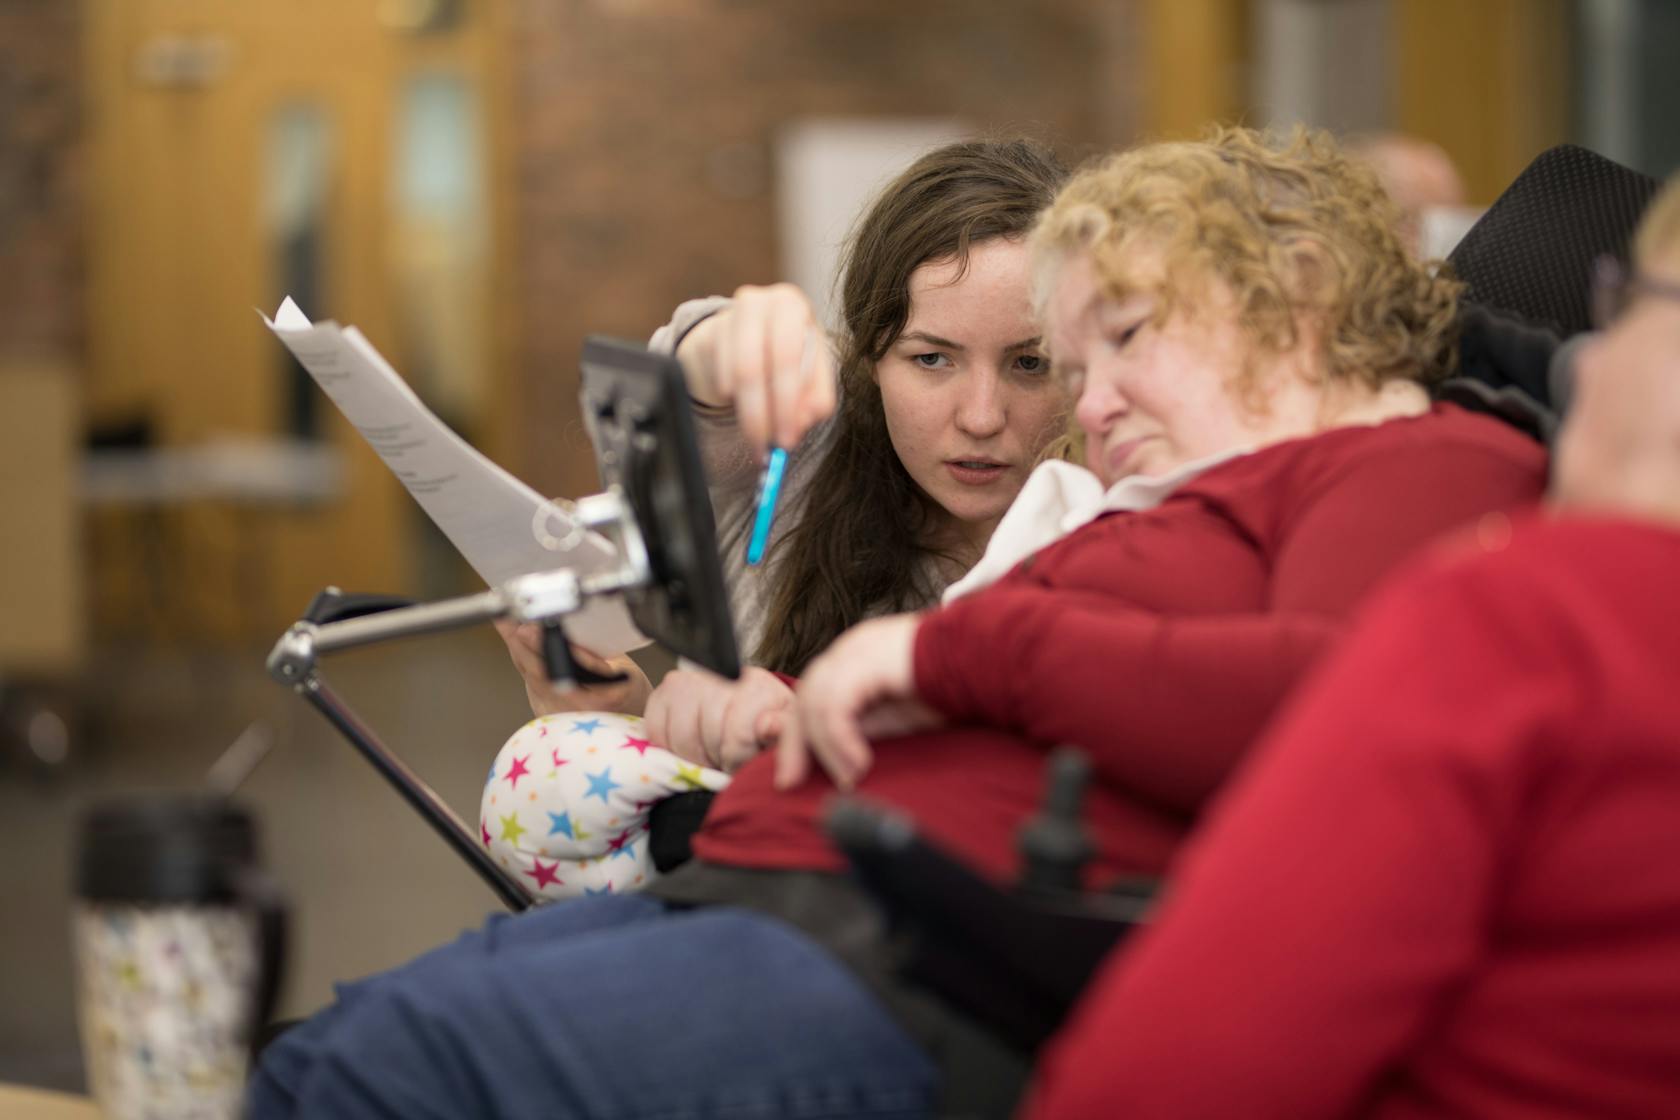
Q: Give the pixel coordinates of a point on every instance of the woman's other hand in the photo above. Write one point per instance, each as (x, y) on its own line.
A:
(863, 687)
(720, 723)
(766, 357)
(524, 642)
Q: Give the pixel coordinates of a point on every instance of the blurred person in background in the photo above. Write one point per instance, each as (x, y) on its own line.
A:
(1419, 176)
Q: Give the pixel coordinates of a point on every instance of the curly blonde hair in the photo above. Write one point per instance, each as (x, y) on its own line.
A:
(1290, 224)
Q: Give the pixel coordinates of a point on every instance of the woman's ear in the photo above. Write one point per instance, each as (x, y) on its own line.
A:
(1309, 274)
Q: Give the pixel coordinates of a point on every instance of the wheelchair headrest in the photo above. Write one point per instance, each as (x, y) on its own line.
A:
(1532, 253)
(1528, 265)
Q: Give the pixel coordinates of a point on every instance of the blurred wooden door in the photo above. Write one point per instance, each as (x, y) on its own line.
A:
(240, 151)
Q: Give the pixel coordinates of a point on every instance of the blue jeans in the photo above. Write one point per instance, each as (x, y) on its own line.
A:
(610, 1007)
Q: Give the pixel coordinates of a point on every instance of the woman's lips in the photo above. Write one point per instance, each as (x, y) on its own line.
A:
(975, 472)
(1120, 455)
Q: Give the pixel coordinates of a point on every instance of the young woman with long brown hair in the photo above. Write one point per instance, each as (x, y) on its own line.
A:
(895, 482)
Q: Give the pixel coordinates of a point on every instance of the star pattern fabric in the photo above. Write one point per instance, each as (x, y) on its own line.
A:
(518, 771)
(600, 785)
(569, 831)
(543, 873)
(511, 829)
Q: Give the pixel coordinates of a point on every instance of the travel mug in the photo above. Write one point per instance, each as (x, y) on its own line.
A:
(179, 940)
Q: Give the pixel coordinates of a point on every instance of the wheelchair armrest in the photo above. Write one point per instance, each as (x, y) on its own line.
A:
(1014, 960)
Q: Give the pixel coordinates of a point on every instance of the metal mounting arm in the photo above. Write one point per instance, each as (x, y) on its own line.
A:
(546, 597)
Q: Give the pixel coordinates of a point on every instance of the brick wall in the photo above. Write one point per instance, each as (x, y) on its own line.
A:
(645, 131)
(41, 307)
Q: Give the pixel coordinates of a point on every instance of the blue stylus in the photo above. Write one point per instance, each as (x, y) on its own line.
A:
(769, 489)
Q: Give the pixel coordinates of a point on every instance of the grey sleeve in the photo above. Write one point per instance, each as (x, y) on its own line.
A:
(729, 464)
(684, 319)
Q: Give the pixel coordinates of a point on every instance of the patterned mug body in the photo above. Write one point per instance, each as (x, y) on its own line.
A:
(167, 1000)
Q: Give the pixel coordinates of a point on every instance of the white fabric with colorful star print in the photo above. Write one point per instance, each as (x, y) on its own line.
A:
(566, 807)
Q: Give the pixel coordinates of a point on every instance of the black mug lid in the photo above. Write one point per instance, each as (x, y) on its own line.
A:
(164, 848)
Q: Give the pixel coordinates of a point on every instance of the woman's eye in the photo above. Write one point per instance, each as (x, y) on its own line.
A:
(1032, 363)
(928, 361)
(1119, 338)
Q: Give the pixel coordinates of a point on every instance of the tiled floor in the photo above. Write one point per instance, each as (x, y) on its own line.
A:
(369, 883)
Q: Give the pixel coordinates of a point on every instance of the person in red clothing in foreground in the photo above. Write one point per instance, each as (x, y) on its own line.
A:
(1448, 884)
(1250, 345)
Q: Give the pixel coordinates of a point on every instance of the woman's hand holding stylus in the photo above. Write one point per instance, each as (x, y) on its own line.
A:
(766, 357)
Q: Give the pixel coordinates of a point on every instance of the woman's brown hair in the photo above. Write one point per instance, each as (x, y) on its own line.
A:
(862, 542)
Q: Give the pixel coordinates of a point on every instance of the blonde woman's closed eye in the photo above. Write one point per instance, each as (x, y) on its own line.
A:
(1120, 337)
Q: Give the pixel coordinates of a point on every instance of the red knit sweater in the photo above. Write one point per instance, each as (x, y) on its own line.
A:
(1159, 641)
(1449, 885)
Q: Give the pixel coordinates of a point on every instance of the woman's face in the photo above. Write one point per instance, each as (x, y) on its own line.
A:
(967, 391)
(1153, 397)
(1623, 425)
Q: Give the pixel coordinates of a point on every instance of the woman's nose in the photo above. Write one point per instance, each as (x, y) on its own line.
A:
(1099, 405)
(981, 412)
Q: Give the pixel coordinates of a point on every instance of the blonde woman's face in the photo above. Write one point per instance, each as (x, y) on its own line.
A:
(967, 391)
(1152, 397)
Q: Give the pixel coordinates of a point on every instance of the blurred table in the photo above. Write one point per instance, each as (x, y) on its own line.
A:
(18, 1102)
(248, 477)
(253, 471)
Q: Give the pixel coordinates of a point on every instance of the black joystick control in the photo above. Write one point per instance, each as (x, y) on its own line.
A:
(1054, 845)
